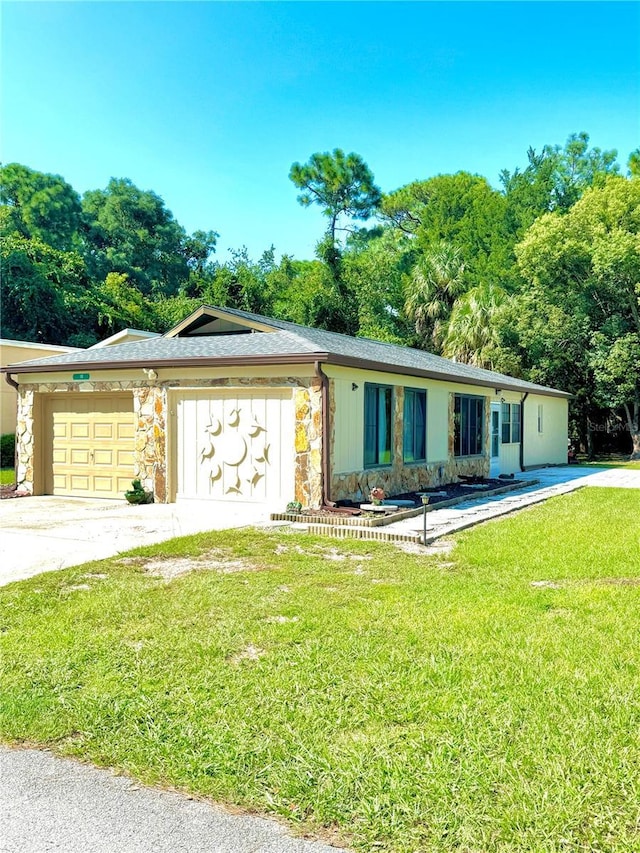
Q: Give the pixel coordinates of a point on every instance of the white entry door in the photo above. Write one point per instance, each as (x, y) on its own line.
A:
(495, 471)
(235, 445)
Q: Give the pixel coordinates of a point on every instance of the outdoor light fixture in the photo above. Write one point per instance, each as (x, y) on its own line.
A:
(354, 387)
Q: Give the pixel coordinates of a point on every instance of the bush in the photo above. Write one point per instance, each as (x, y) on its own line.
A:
(7, 450)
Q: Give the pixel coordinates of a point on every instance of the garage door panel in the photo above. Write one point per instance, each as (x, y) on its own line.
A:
(91, 451)
(103, 430)
(235, 445)
(79, 456)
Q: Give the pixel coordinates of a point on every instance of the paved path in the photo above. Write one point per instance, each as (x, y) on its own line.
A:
(52, 804)
(551, 482)
(41, 534)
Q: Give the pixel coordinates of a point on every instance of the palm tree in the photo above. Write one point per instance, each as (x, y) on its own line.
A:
(431, 290)
(471, 334)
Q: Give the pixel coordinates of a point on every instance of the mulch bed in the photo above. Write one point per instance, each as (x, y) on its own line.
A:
(11, 491)
(440, 494)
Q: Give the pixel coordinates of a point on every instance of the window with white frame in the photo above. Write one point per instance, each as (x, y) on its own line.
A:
(511, 419)
(540, 418)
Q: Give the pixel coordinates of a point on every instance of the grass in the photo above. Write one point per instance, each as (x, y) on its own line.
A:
(483, 700)
(613, 462)
(7, 476)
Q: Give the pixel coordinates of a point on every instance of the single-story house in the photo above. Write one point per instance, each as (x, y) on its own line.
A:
(233, 406)
(12, 352)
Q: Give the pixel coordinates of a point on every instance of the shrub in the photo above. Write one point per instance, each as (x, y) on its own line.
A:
(7, 450)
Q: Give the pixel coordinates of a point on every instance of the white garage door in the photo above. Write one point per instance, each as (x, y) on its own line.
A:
(235, 445)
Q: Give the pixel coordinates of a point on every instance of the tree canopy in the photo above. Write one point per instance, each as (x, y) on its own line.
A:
(537, 277)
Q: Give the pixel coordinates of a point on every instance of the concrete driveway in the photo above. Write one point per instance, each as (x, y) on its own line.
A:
(42, 534)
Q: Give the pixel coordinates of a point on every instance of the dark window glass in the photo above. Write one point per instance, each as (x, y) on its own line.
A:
(415, 425)
(378, 410)
(468, 425)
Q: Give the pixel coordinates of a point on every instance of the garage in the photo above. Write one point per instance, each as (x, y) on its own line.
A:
(234, 445)
(89, 447)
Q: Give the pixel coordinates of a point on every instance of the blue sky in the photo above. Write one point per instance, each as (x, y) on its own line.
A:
(209, 103)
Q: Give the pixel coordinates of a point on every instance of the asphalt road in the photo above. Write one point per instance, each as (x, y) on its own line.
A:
(54, 804)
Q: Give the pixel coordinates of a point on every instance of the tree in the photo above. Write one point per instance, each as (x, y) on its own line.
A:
(462, 210)
(131, 231)
(374, 268)
(343, 185)
(555, 178)
(41, 206)
(472, 336)
(43, 291)
(430, 291)
(586, 263)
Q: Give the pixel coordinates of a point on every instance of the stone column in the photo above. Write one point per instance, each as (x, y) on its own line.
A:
(24, 440)
(150, 453)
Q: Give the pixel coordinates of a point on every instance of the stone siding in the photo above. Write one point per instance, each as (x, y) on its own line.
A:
(25, 444)
(399, 478)
(150, 406)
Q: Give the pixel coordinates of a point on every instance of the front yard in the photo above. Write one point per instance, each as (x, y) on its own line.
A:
(485, 699)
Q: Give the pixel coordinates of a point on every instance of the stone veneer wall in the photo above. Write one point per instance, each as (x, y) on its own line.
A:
(25, 445)
(398, 477)
(150, 404)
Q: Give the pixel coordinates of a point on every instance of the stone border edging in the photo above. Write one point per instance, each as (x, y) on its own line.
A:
(322, 522)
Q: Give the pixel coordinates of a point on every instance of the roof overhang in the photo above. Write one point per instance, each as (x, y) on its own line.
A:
(286, 359)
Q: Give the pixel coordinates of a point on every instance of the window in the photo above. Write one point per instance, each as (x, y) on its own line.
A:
(415, 425)
(378, 411)
(511, 423)
(468, 425)
(540, 419)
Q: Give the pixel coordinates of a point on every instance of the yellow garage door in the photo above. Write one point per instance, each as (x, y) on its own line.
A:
(90, 445)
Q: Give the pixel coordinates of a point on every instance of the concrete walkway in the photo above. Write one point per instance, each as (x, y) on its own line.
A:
(42, 534)
(551, 482)
(54, 804)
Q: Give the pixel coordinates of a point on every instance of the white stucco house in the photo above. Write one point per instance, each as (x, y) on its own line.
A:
(233, 406)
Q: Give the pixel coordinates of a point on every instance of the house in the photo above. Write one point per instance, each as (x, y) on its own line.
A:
(16, 351)
(10, 353)
(233, 406)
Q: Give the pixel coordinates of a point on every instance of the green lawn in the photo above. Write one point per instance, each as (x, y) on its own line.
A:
(484, 700)
(7, 476)
(613, 463)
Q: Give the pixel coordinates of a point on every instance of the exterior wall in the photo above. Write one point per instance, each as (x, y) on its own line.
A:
(13, 352)
(152, 462)
(509, 453)
(550, 446)
(349, 478)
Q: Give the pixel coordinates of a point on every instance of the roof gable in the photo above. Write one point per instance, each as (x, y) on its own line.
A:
(221, 337)
(208, 320)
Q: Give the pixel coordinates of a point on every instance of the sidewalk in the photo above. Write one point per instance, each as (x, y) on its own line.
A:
(551, 482)
(56, 804)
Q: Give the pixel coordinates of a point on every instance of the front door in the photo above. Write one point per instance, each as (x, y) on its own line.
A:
(495, 440)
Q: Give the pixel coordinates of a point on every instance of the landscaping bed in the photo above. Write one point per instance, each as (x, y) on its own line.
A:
(349, 514)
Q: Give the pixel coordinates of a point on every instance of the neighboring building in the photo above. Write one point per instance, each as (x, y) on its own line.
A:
(126, 336)
(232, 406)
(12, 352)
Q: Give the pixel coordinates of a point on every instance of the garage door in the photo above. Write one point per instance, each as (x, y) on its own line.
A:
(90, 445)
(235, 445)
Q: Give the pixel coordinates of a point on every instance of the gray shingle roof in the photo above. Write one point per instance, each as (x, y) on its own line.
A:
(285, 342)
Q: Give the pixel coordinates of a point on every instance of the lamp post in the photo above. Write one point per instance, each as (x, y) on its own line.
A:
(425, 501)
